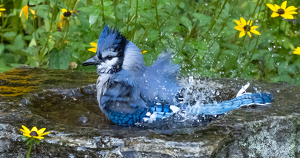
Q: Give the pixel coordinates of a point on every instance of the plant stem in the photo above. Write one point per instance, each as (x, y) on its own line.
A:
(75, 5)
(115, 9)
(223, 26)
(128, 18)
(239, 52)
(103, 19)
(276, 42)
(256, 39)
(170, 14)
(28, 154)
(214, 20)
(156, 12)
(136, 16)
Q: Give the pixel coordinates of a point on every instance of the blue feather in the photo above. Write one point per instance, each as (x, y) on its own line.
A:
(129, 92)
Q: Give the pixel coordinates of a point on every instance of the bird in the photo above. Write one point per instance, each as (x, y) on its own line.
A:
(129, 92)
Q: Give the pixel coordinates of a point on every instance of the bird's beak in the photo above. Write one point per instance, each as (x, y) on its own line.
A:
(92, 61)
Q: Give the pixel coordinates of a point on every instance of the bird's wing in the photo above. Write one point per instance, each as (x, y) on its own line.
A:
(122, 94)
(159, 81)
(122, 102)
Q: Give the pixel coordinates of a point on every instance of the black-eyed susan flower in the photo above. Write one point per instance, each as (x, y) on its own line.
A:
(66, 14)
(25, 10)
(95, 47)
(34, 132)
(144, 51)
(245, 27)
(282, 11)
(2, 9)
(297, 51)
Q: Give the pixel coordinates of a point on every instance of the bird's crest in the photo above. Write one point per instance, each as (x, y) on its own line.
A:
(111, 39)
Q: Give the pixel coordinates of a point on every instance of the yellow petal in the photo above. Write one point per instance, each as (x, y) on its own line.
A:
(93, 50)
(249, 34)
(41, 131)
(297, 51)
(243, 21)
(276, 6)
(287, 16)
(253, 27)
(249, 22)
(27, 135)
(25, 129)
(242, 34)
(34, 129)
(274, 14)
(239, 28)
(74, 12)
(44, 133)
(237, 22)
(255, 32)
(2, 9)
(1, 5)
(64, 10)
(33, 13)
(273, 8)
(290, 8)
(39, 137)
(24, 11)
(291, 13)
(283, 5)
(94, 44)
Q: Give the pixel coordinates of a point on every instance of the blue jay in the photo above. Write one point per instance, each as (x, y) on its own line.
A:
(128, 91)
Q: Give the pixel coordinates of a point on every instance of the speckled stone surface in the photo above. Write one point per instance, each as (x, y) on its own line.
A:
(64, 102)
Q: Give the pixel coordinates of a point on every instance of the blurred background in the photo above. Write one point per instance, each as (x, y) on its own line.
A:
(201, 33)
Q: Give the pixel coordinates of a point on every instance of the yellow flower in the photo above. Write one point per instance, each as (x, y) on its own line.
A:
(25, 10)
(297, 51)
(95, 47)
(33, 13)
(144, 51)
(2, 9)
(282, 11)
(245, 27)
(66, 13)
(35, 133)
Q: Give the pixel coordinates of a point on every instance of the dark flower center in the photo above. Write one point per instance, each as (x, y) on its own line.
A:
(30, 5)
(280, 11)
(67, 14)
(33, 133)
(246, 28)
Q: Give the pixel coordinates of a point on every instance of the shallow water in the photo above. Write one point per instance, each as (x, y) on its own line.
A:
(65, 103)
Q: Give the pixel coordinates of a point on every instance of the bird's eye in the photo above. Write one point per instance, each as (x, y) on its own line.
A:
(109, 57)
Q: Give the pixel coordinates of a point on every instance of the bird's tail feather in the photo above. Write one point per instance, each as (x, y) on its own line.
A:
(246, 99)
(157, 112)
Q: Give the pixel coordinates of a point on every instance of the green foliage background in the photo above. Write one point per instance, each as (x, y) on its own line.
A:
(200, 32)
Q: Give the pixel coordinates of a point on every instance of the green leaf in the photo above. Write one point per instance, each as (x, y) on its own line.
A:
(258, 55)
(187, 23)
(42, 11)
(95, 11)
(32, 2)
(59, 59)
(37, 141)
(9, 34)
(204, 19)
(30, 140)
(18, 42)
